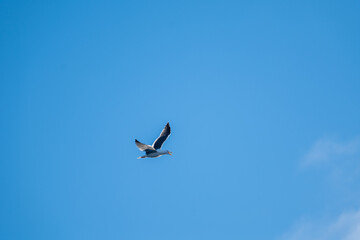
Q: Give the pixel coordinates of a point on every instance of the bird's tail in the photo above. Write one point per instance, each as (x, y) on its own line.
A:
(141, 157)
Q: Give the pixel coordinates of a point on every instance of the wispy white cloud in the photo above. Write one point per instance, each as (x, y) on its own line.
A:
(345, 227)
(325, 150)
(341, 159)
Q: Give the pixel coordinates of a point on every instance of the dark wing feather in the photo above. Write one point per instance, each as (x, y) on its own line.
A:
(144, 147)
(163, 136)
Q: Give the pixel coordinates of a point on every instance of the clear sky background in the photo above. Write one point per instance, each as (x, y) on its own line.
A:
(263, 98)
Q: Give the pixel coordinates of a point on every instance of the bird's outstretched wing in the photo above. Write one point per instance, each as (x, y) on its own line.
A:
(144, 147)
(163, 136)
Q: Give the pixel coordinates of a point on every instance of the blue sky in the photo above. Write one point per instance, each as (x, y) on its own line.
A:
(262, 97)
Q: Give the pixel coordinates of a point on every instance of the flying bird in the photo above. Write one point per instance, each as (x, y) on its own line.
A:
(154, 150)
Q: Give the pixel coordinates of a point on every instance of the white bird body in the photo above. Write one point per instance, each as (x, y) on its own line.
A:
(154, 150)
(156, 154)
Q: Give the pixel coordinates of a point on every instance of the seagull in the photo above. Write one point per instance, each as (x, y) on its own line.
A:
(154, 150)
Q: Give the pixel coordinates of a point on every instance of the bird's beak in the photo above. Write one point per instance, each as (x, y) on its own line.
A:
(170, 153)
